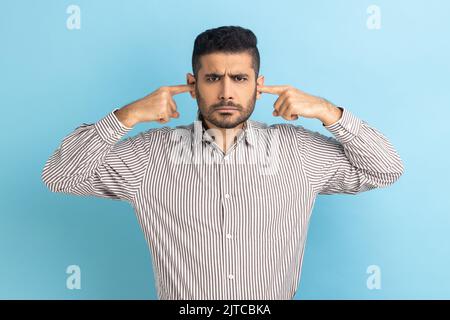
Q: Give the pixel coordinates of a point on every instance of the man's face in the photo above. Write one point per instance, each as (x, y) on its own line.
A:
(226, 80)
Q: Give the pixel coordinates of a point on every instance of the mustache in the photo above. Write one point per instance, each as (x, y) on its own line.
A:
(226, 104)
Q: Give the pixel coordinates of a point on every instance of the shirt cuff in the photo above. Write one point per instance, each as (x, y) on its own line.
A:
(346, 128)
(110, 128)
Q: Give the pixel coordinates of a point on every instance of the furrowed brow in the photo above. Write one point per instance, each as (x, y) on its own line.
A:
(214, 74)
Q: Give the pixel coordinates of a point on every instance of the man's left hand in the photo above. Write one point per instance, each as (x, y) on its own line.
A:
(293, 103)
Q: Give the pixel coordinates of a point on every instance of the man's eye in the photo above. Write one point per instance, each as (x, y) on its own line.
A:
(243, 78)
(238, 78)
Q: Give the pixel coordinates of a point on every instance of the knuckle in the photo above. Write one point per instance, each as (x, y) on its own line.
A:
(164, 91)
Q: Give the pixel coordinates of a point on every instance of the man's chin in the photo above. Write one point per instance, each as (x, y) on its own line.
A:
(224, 124)
(227, 120)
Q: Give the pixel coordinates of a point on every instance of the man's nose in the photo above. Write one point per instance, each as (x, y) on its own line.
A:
(226, 90)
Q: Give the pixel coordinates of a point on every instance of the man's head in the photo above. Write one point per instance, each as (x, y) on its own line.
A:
(225, 62)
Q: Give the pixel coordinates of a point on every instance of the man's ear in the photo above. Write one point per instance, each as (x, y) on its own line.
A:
(190, 79)
(259, 81)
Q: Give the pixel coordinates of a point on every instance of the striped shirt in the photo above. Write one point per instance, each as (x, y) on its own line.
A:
(223, 225)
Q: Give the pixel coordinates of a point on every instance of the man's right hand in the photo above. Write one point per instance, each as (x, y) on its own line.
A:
(158, 106)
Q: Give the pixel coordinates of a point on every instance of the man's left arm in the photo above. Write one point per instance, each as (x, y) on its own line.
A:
(358, 158)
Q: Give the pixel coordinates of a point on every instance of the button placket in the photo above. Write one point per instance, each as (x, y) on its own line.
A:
(228, 245)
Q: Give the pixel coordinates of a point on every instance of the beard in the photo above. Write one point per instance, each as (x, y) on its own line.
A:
(226, 120)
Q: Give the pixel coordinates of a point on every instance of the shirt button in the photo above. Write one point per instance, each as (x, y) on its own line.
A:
(227, 196)
(230, 276)
(341, 131)
(226, 157)
(229, 236)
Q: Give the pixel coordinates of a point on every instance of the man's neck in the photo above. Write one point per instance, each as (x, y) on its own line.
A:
(223, 137)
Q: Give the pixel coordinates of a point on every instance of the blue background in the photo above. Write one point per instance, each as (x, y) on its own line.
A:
(395, 78)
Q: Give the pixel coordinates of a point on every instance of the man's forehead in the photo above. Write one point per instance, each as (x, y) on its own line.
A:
(230, 63)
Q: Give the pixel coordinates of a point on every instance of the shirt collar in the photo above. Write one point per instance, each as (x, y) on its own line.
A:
(248, 132)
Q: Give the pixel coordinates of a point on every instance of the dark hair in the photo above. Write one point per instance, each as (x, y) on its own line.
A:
(227, 39)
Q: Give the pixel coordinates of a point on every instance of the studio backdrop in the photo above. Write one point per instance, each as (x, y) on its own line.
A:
(65, 63)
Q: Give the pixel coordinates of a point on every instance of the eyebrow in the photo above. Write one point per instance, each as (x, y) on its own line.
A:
(214, 74)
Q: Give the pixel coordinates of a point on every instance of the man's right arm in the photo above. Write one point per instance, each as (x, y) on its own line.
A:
(92, 161)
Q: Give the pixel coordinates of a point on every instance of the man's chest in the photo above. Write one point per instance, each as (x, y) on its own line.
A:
(214, 196)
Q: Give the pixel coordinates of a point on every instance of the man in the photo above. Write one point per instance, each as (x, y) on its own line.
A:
(225, 202)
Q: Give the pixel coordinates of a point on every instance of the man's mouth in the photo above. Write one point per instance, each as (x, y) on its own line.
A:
(226, 109)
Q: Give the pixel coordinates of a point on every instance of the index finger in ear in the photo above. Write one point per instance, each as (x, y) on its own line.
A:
(272, 89)
(180, 88)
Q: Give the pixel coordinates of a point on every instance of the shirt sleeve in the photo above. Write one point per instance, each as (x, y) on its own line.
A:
(92, 160)
(358, 158)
